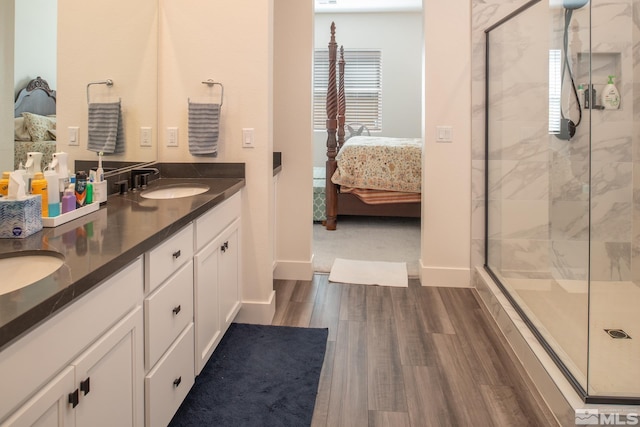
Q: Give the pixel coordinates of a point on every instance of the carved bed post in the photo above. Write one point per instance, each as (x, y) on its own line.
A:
(341, 99)
(332, 124)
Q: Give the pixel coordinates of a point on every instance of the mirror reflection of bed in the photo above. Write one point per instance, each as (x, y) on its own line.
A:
(35, 122)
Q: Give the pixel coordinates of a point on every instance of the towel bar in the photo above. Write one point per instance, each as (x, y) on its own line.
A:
(107, 82)
(211, 83)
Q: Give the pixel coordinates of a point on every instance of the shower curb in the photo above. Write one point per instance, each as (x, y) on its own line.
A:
(555, 390)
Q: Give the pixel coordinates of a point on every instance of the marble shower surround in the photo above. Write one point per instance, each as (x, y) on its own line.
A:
(519, 244)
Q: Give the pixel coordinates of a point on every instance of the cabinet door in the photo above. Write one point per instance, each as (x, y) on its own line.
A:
(228, 289)
(50, 406)
(110, 377)
(206, 312)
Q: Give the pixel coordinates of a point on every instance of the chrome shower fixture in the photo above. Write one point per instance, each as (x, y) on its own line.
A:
(574, 4)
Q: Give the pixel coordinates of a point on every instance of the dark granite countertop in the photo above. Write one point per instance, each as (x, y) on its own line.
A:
(97, 245)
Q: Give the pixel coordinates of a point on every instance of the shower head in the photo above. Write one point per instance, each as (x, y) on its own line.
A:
(574, 4)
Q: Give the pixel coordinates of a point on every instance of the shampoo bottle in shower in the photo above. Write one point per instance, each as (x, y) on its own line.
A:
(610, 96)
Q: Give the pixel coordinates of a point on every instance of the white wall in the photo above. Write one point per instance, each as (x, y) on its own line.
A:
(399, 36)
(293, 57)
(98, 42)
(231, 43)
(446, 186)
(35, 42)
(6, 85)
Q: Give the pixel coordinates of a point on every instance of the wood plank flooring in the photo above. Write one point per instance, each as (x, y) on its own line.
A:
(416, 356)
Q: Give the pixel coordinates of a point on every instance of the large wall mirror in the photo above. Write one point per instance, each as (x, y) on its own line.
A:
(75, 43)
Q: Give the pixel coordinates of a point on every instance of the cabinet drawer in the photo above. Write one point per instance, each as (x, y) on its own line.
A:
(217, 219)
(167, 257)
(167, 311)
(169, 381)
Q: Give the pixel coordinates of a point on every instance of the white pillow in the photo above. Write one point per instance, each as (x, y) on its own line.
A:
(20, 131)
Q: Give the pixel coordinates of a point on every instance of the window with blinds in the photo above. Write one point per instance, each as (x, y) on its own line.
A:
(362, 87)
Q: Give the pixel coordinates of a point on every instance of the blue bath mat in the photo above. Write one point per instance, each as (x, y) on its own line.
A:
(257, 376)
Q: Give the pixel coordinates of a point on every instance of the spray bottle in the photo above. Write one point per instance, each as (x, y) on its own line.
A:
(59, 165)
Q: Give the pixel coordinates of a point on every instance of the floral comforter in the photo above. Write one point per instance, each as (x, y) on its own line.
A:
(380, 163)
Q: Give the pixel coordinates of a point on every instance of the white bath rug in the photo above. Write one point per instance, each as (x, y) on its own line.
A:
(369, 272)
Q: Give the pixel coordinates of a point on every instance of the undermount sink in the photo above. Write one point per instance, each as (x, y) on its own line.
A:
(27, 267)
(175, 191)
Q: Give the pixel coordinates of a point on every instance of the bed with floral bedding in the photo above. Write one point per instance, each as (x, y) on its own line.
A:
(35, 122)
(366, 175)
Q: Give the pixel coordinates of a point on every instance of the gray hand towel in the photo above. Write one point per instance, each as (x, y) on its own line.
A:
(204, 125)
(106, 130)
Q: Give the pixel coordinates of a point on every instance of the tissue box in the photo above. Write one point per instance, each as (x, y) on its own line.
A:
(20, 218)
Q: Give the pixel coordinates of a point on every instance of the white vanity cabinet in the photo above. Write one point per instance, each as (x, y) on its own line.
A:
(169, 344)
(84, 366)
(217, 289)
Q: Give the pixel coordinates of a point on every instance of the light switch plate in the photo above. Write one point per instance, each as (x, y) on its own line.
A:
(247, 138)
(74, 135)
(444, 134)
(145, 136)
(172, 137)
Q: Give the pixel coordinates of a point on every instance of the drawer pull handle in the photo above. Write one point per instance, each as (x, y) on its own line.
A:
(74, 398)
(176, 254)
(176, 309)
(177, 381)
(85, 386)
(225, 246)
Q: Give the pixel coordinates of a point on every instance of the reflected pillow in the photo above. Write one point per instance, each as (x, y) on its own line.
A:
(20, 130)
(40, 127)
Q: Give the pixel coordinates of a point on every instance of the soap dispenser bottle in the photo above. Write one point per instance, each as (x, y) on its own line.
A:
(611, 96)
(33, 166)
(59, 164)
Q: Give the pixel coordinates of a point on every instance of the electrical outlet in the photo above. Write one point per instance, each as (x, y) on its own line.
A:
(172, 137)
(74, 135)
(145, 136)
(247, 138)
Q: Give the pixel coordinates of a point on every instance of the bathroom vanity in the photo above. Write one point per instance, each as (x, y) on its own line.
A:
(119, 333)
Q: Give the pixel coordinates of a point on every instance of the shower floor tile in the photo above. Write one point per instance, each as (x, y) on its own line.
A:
(560, 310)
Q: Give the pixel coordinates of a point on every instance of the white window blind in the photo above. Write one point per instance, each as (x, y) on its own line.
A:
(555, 90)
(362, 87)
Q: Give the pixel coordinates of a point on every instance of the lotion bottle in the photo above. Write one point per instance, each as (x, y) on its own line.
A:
(611, 96)
(69, 199)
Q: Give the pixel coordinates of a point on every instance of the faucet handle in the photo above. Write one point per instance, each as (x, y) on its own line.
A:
(136, 183)
(122, 186)
(144, 180)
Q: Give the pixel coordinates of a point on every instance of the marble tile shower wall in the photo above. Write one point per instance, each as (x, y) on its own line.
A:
(540, 204)
(519, 166)
(484, 13)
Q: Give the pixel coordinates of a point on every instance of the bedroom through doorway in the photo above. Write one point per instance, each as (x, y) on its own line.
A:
(387, 105)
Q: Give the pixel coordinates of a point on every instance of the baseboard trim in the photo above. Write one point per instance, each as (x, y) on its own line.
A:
(293, 270)
(258, 312)
(445, 277)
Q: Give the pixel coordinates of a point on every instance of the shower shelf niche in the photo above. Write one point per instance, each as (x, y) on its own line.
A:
(603, 65)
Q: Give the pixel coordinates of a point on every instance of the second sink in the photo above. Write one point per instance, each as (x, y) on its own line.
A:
(175, 191)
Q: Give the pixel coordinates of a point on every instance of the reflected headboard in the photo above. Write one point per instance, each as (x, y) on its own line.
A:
(36, 98)
(39, 99)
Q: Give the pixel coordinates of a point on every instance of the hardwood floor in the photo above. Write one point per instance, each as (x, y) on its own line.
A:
(416, 356)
